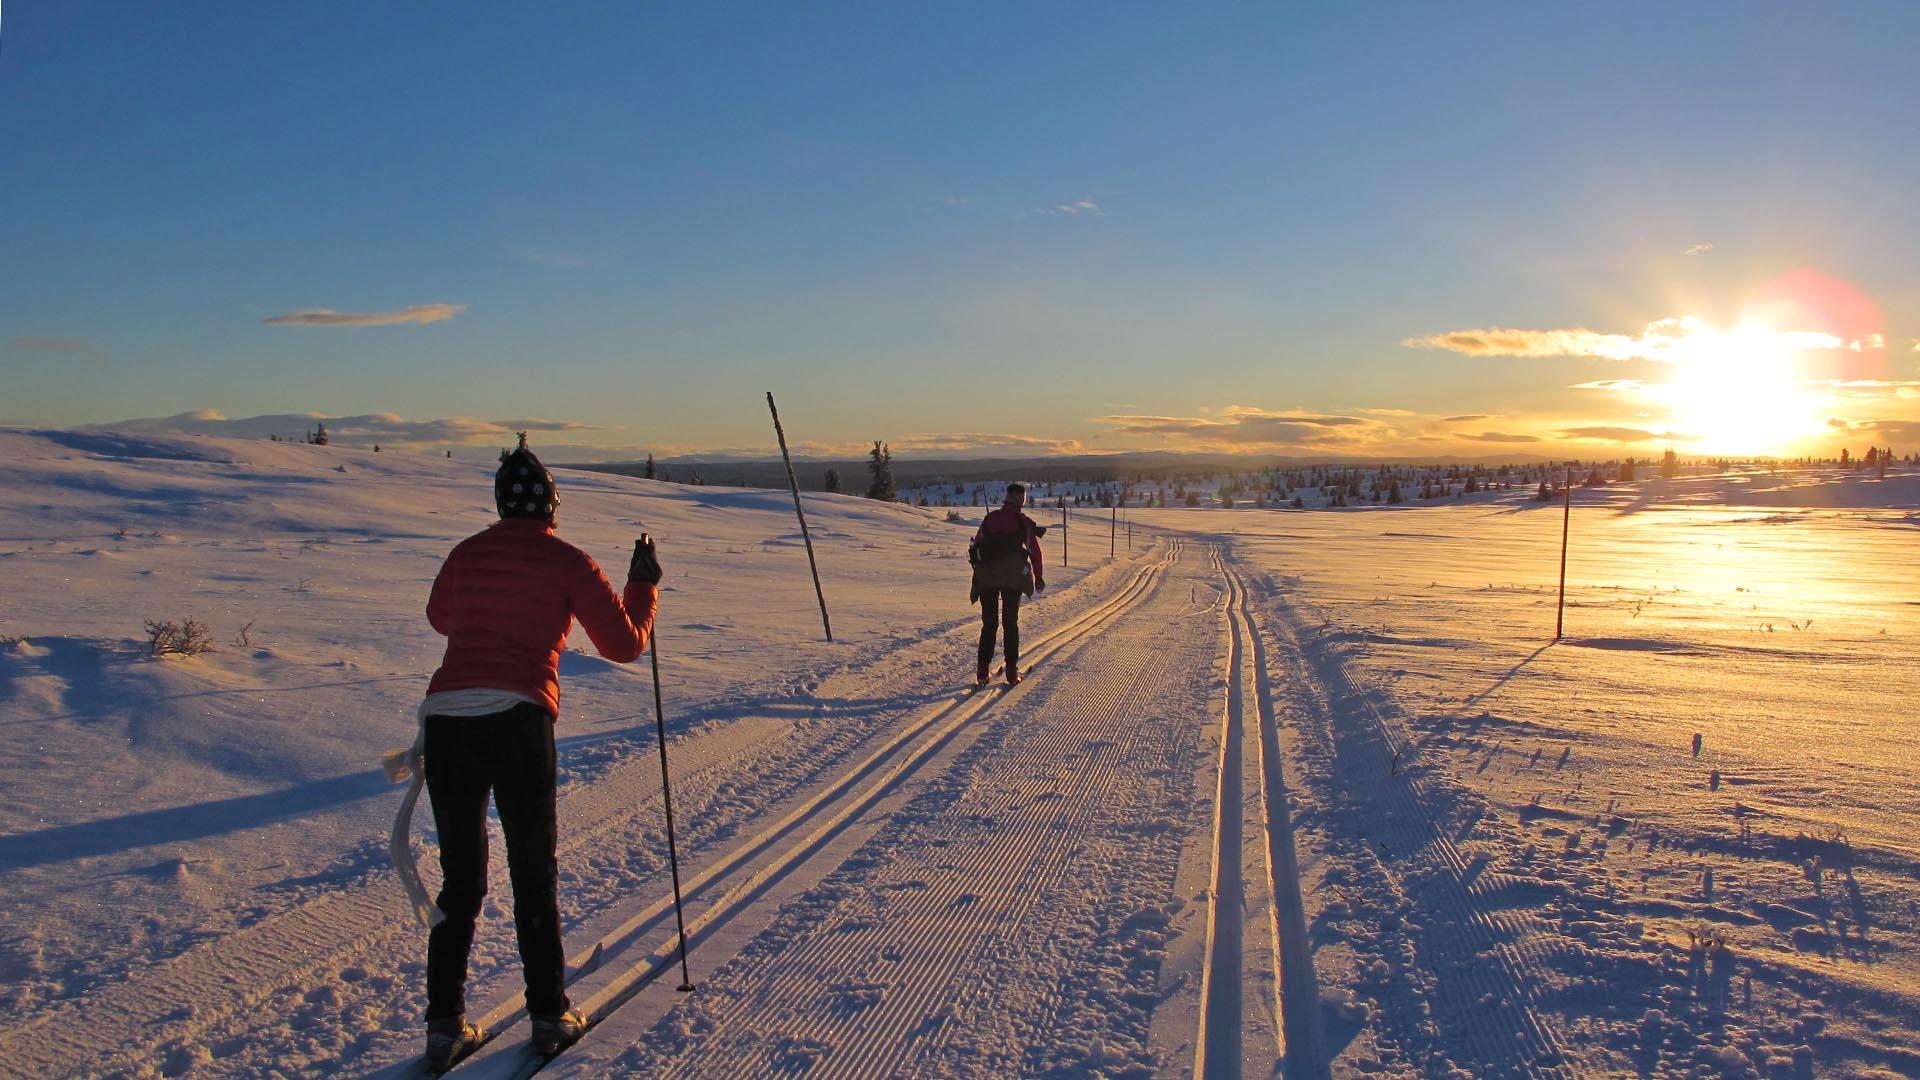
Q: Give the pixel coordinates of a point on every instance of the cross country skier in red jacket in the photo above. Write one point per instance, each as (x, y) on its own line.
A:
(506, 599)
(1006, 566)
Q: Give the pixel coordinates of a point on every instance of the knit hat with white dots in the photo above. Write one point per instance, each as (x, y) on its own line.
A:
(523, 488)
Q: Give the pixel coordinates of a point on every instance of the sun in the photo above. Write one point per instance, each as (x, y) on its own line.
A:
(1737, 391)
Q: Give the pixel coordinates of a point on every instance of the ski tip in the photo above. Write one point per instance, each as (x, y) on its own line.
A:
(593, 960)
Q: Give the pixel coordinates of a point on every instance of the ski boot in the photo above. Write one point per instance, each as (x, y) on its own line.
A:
(449, 1039)
(982, 674)
(1013, 675)
(552, 1034)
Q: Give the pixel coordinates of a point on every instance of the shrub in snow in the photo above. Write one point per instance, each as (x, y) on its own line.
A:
(188, 637)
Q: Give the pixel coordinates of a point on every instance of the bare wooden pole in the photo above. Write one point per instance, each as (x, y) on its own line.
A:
(1063, 532)
(1566, 525)
(794, 482)
(1113, 531)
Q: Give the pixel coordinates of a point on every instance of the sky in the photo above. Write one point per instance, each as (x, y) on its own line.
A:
(1450, 230)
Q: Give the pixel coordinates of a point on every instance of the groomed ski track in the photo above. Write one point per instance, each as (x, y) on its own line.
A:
(773, 867)
(1118, 868)
(1254, 1022)
(1003, 911)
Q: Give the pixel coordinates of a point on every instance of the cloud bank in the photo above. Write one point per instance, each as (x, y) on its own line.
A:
(1666, 341)
(417, 314)
(1247, 428)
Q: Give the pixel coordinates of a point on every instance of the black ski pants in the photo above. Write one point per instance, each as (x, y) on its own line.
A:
(509, 754)
(1000, 607)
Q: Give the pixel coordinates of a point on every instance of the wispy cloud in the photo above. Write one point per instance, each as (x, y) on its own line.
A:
(1465, 418)
(1248, 427)
(956, 200)
(366, 429)
(55, 346)
(1869, 389)
(1074, 208)
(974, 443)
(415, 314)
(1622, 435)
(1698, 249)
(1499, 437)
(1886, 431)
(1665, 340)
(1623, 386)
(557, 259)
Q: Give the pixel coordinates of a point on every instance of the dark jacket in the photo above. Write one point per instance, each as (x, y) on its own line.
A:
(1006, 553)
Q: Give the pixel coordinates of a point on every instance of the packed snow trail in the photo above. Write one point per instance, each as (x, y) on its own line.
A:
(328, 982)
(1279, 1022)
(751, 874)
(1003, 907)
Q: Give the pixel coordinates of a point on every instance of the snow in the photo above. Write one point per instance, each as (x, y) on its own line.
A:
(1457, 848)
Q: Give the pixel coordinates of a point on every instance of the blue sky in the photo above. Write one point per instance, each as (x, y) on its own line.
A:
(956, 227)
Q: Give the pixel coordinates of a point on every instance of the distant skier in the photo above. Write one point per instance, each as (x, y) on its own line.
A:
(506, 599)
(1006, 566)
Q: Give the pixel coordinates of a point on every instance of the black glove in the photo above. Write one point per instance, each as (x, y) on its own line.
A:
(645, 565)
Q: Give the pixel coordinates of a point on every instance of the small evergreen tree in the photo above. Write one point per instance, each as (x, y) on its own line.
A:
(880, 472)
(1626, 471)
(832, 482)
(652, 472)
(1669, 465)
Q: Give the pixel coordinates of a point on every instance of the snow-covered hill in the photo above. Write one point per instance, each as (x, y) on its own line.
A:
(1310, 791)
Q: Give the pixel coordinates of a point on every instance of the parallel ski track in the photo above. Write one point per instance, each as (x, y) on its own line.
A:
(1298, 1018)
(1486, 955)
(1218, 1044)
(268, 958)
(989, 886)
(299, 947)
(838, 803)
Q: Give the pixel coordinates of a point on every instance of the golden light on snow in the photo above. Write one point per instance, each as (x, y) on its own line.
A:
(1739, 391)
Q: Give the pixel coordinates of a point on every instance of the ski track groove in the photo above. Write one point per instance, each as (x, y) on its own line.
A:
(1219, 1044)
(278, 954)
(992, 886)
(254, 959)
(1297, 1014)
(623, 983)
(1483, 951)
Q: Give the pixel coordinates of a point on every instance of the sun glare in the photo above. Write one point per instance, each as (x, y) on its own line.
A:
(1737, 391)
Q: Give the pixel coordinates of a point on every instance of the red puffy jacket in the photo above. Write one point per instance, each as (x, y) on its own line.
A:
(506, 598)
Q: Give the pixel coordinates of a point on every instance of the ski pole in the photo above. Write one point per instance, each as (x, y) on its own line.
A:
(666, 796)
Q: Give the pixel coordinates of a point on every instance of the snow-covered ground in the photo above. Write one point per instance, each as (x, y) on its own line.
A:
(1440, 842)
